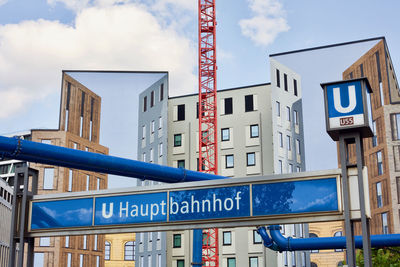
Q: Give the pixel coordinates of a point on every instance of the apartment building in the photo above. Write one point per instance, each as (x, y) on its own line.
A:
(381, 152)
(79, 128)
(260, 132)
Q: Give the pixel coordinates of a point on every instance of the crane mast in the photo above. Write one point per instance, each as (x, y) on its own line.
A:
(208, 159)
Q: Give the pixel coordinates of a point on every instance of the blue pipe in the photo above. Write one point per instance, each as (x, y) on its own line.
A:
(268, 242)
(197, 248)
(292, 244)
(71, 158)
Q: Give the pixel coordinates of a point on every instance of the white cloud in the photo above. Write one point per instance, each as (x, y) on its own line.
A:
(75, 5)
(268, 21)
(121, 37)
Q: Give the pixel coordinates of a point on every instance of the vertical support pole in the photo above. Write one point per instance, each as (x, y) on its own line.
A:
(348, 224)
(19, 220)
(197, 247)
(366, 235)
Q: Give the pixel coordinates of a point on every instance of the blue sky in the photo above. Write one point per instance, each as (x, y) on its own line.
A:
(40, 38)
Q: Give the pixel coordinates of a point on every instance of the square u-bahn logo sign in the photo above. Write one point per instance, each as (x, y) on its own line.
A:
(347, 107)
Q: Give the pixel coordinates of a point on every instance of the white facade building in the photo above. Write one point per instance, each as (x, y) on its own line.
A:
(260, 132)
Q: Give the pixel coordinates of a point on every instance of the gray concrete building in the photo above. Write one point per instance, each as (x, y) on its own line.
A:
(260, 132)
(151, 247)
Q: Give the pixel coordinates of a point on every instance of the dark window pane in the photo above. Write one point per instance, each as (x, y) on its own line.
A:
(177, 240)
(295, 86)
(285, 81)
(249, 104)
(152, 99)
(145, 104)
(181, 112)
(177, 140)
(278, 78)
(225, 136)
(228, 106)
(181, 163)
(162, 92)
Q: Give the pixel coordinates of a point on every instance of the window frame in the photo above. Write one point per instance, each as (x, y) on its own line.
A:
(176, 142)
(251, 263)
(226, 161)
(222, 134)
(180, 116)
(251, 131)
(254, 159)
(107, 250)
(379, 197)
(131, 246)
(175, 239)
(255, 240)
(224, 234)
(228, 264)
(179, 162)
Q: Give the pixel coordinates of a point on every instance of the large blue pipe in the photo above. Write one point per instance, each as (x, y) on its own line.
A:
(293, 244)
(71, 158)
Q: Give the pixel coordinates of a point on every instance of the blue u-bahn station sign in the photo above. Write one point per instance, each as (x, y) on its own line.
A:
(348, 107)
(228, 202)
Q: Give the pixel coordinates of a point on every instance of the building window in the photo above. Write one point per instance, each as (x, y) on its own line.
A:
(375, 137)
(249, 103)
(231, 262)
(313, 235)
(253, 262)
(144, 157)
(151, 155)
(159, 260)
(379, 162)
(298, 147)
(298, 169)
(84, 242)
(160, 149)
(338, 233)
(313, 264)
(145, 104)
(379, 194)
(278, 78)
(67, 241)
(385, 227)
(87, 182)
(95, 242)
(149, 260)
(288, 142)
(251, 159)
(48, 178)
(280, 167)
(181, 112)
(203, 166)
(81, 260)
(107, 250)
(181, 163)
(229, 162)
(160, 123)
(69, 259)
(129, 251)
(288, 113)
(177, 241)
(225, 134)
(206, 239)
(177, 140)
(152, 99)
(46, 141)
(227, 238)
(362, 70)
(228, 106)
(180, 263)
(280, 139)
(278, 108)
(44, 241)
(285, 82)
(295, 87)
(291, 169)
(285, 258)
(296, 117)
(143, 132)
(256, 237)
(293, 259)
(254, 131)
(141, 261)
(152, 126)
(161, 92)
(395, 121)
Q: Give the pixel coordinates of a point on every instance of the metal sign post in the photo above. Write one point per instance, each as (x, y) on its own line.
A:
(348, 121)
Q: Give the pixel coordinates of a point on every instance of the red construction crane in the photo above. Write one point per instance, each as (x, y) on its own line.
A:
(208, 159)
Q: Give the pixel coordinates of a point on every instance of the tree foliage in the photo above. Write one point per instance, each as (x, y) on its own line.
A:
(382, 257)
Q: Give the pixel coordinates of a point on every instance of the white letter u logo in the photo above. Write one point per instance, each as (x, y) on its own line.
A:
(352, 99)
(110, 212)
